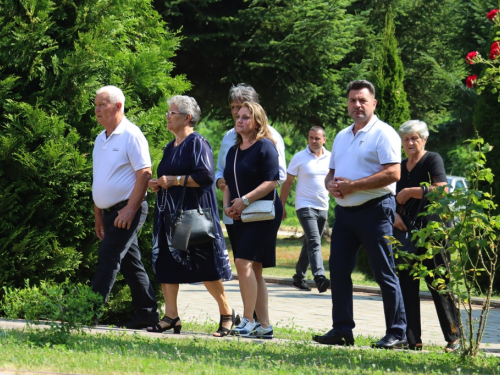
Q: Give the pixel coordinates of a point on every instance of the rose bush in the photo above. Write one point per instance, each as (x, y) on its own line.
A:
(491, 15)
(490, 76)
(469, 59)
(471, 81)
(495, 50)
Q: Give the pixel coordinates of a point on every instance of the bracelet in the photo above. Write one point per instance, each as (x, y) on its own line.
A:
(226, 207)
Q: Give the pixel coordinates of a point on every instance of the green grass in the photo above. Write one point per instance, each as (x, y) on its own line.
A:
(120, 353)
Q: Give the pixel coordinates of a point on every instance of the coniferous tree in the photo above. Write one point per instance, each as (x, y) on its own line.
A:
(53, 56)
(290, 51)
(388, 78)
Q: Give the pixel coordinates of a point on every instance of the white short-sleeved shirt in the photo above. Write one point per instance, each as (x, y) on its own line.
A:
(362, 155)
(115, 161)
(230, 139)
(310, 171)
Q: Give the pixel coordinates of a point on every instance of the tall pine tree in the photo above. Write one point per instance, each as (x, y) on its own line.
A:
(53, 56)
(388, 77)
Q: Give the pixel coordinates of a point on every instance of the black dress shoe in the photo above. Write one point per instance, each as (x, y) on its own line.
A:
(389, 341)
(335, 338)
(322, 283)
(138, 323)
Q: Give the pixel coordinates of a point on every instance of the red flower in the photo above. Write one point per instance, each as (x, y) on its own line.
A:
(470, 56)
(492, 14)
(495, 50)
(471, 81)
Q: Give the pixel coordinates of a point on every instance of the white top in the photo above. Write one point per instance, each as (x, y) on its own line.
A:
(115, 160)
(230, 139)
(362, 155)
(310, 171)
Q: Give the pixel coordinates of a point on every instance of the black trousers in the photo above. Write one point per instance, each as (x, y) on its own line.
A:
(445, 307)
(119, 251)
(366, 225)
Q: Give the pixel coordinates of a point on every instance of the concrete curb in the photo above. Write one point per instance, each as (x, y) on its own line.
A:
(366, 289)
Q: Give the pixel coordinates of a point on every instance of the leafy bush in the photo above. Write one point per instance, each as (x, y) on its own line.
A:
(66, 307)
(53, 56)
(473, 244)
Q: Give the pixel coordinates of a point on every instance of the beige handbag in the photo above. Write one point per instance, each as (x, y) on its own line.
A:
(260, 210)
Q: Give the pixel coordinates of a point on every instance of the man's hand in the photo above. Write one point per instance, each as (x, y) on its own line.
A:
(99, 223)
(284, 215)
(125, 217)
(99, 228)
(339, 187)
(221, 183)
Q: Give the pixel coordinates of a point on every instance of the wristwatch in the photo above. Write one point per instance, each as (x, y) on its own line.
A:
(178, 180)
(245, 200)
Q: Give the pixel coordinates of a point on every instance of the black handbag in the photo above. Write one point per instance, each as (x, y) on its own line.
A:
(404, 237)
(191, 227)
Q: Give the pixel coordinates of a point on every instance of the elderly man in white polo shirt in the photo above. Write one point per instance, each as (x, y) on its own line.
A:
(310, 166)
(122, 169)
(364, 169)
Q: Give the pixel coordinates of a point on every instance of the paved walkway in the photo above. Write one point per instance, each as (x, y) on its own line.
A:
(312, 310)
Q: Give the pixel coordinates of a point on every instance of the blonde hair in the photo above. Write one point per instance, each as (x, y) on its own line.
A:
(259, 118)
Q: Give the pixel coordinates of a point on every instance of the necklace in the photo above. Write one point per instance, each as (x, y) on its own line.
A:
(161, 199)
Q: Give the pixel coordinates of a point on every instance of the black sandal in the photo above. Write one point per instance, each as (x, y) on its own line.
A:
(171, 324)
(233, 318)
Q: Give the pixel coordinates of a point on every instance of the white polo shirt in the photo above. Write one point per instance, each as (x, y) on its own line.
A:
(115, 161)
(362, 155)
(310, 171)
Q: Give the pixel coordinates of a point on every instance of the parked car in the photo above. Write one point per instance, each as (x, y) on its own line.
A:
(456, 182)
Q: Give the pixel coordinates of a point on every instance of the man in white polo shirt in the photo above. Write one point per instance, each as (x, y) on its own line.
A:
(310, 166)
(122, 169)
(364, 169)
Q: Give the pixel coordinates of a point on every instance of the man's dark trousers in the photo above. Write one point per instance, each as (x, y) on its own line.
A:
(365, 225)
(119, 251)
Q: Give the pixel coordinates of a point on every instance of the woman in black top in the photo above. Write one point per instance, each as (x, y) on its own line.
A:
(422, 166)
(252, 174)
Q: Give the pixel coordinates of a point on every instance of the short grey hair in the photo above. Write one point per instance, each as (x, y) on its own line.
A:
(242, 93)
(187, 106)
(115, 95)
(317, 129)
(414, 127)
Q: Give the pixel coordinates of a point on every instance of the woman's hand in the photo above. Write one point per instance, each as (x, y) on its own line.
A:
(238, 205)
(404, 195)
(399, 223)
(153, 185)
(231, 213)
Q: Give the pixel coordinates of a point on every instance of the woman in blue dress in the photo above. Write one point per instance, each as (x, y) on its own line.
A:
(189, 156)
(251, 174)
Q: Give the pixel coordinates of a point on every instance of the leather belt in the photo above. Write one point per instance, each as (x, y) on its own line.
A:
(369, 203)
(117, 206)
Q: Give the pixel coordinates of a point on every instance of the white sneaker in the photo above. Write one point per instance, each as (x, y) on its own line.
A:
(264, 333)
(246, 328)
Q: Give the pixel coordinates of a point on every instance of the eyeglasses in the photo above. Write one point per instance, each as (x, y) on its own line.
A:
(411, 139)
(170, 113)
